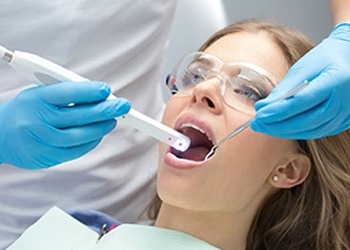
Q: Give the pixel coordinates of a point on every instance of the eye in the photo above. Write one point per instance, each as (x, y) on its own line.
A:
(247, 90)
(193, 76)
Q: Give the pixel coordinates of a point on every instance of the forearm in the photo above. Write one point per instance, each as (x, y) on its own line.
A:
(340, 10)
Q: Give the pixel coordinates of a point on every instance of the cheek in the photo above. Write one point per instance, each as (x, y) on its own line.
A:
(247, 162)
(260, 151)
(172, 111)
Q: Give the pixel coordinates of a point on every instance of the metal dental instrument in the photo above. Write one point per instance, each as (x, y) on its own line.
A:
(43, 72)
(246, 124)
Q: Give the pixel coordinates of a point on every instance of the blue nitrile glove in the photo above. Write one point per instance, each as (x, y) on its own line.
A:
(39, 130)
(323, 107)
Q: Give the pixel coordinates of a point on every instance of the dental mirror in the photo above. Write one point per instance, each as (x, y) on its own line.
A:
(246, 124)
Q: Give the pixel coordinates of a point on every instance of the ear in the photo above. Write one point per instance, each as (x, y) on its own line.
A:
(291, 174)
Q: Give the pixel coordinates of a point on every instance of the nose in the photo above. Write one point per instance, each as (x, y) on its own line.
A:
(208, 95)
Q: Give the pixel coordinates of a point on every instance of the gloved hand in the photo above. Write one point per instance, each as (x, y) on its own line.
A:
(38, 129)
(323, 107)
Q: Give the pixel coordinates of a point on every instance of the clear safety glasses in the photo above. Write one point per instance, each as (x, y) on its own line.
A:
(241, 84)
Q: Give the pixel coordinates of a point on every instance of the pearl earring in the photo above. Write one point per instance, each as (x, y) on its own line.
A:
(276, 178)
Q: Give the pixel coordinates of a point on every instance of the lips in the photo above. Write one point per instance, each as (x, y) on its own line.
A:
(201, 137)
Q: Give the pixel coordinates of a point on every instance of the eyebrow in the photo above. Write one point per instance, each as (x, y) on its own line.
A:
(259, 72)
(208, 62)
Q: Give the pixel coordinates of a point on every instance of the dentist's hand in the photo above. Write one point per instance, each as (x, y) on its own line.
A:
(323, 107)
(39, 130)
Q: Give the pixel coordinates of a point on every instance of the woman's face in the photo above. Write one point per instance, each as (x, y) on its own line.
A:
(239, 173)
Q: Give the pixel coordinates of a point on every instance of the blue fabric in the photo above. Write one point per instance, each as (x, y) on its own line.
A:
(94, 219)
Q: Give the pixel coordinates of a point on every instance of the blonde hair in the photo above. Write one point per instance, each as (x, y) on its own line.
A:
(315, 214)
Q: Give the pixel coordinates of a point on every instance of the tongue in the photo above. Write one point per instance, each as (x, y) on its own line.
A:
(194, 153)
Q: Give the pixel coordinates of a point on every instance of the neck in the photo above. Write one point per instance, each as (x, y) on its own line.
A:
(223, 230)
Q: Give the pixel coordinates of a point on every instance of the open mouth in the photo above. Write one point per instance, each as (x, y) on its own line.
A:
(200, 143)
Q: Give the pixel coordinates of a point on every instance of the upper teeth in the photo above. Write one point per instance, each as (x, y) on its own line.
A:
(190, 125)
(184, 125)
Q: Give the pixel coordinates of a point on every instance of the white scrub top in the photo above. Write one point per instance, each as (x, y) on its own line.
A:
(116, 41)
